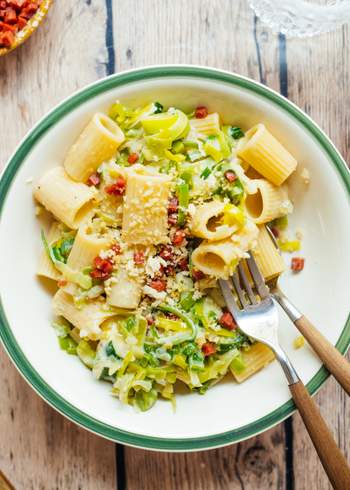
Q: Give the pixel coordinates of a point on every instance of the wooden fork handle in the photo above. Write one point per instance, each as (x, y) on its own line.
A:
(329, 355)
(331, 458)
(4, 483)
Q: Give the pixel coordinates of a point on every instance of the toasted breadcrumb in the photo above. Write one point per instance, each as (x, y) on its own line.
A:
(305, 176)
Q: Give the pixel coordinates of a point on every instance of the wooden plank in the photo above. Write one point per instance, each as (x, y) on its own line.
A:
(222, 34)
(214, 33)
(256, 463)
(40, 449)
(318, 82)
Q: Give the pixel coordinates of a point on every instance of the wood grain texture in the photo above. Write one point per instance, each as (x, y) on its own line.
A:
(199, 32)
(254, 464)
(40, 449)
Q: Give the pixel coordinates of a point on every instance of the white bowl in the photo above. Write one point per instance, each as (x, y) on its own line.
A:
(229, 412)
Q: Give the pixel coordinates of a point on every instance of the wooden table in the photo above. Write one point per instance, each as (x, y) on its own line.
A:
(84, 40)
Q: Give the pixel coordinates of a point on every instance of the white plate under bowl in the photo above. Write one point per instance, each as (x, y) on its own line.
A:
(228, 412)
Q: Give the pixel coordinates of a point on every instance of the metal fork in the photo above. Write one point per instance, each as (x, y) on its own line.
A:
(256, 315)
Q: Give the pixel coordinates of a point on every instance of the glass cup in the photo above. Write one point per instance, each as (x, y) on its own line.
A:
(302, 18)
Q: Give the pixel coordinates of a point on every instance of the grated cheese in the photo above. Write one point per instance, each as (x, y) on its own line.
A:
(305, 176)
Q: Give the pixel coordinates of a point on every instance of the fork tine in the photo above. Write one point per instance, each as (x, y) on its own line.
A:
(258, 279)
(273, 238)
(246, 284)
(239, 290)
(228, 297)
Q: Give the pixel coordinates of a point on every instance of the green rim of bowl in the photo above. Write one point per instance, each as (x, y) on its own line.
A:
(6, 335)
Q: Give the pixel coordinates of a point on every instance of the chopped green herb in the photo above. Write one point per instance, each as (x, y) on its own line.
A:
(159, 108)
(206, 172)
(236, 133)
(110, 351)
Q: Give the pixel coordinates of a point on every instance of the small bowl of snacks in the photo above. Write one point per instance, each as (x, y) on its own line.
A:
(18, 20)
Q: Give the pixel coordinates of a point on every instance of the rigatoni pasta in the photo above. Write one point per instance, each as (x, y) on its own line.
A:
(215, 259)
(209, 125)
(87, 245)
(151, 207)
(268, 258)
(266, 155)
(267, 202)
(208, 221)
(45, 266)
(251, 361)
(145, 207)
(124, 291)
(97, 143)
(87, 319)
(70, 202)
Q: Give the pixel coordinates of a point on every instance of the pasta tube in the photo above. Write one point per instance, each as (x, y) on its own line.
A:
(208, 125)
(145, 207)
(45, 266)
(87, 245)
(87, 319)
(266, 155)
(254, 359)
(267, 203)
(217, 259)
(69, 201)
(208, 221)
(268, 258)
(98, 142)
(125, 291)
